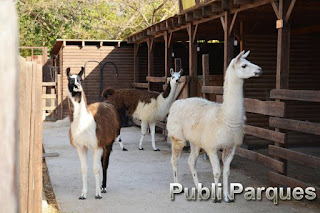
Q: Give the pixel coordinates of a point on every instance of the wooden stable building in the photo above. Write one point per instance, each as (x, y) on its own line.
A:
(108, 63)
(282, 105)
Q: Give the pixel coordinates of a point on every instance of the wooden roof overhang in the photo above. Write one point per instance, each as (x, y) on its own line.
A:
(204, 13)
(63, 42)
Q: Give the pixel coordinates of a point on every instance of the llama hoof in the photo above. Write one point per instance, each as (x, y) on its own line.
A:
(216, 201)
(97, 197)
(103, 190)
(141, 148)
(124, 149)
(156, 150)
(228, 200)
(82, 197)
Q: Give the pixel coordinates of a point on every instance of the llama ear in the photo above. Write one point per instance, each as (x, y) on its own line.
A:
(180, 72)
(171, 71)
(68, 71)
(81, 72)
(246, 54)
(239, 56)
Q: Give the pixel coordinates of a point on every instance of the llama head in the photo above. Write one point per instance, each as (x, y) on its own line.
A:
(175, 76)
(243, 68)
(75, 80)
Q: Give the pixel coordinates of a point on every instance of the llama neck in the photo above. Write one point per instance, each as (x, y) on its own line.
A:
(169, 94)
(78, 104)
(233, 101)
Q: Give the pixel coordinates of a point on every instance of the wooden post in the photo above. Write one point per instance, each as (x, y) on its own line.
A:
(242, 39)
(44, 102)
(136, 63)
(228, 39)
(59, 94)
(283, 53)
(192, 61)
(177, 64)
(150, 61)
(9, 107)
(44, 55)
(167, 54)
(205, 73)
(52, 103)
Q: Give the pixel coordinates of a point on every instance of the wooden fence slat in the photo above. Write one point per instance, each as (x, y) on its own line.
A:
(264, 107)
(212, 89)
(288, 181)
(140, 85)
(267, 134)
(37, 162)
(156, 79)
(273, 108)
(48, 84)
(297, 157)
(264, 160)
(300, 126)
(59, 94)
(298, 95)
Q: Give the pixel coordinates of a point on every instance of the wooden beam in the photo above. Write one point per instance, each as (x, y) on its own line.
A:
(195, 34)
(228, 40)
(192, 61)
(288, 181)
(248, 6)
(266, 134)
(177, 64)
(260, 158)
(170, 39)
(141, 85)
(296, 95)
(156, 79)
(60, 98)
(289, 11)
(150, 60)
(136, 63)
(297, 157)
(205, 74)
(294, 125)
(273, 108)
(212, 89)
(275, 6)
(232, 22)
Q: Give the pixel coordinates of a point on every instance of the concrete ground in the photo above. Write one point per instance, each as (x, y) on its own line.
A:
(138, 181)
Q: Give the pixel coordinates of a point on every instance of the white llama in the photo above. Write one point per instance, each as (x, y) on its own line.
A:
(91, 127)
(147, 106)
(212, 126)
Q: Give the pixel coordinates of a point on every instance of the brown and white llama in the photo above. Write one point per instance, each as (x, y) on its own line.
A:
(94, 126)
(148, 106)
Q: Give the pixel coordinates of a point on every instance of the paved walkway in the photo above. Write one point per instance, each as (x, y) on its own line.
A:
(138, 181)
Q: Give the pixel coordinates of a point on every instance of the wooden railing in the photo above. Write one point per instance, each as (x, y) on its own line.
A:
(294, 125)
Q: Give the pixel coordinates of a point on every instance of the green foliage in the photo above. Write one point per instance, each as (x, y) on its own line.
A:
(43, 21)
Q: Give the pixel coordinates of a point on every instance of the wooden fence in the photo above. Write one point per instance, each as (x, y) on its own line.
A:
(30, 133)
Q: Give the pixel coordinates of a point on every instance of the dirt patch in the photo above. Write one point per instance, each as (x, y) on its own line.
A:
(52, 206)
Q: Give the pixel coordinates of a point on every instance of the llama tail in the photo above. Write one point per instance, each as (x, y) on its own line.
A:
(107, 92)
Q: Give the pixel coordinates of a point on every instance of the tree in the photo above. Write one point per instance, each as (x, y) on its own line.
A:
(43, 21)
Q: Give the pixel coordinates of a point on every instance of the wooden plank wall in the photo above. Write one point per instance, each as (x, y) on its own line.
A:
(30, 136)
(74, 56)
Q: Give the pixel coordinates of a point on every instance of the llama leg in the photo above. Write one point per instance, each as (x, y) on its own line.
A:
(192, 162)
(120, 143)
(214, 160)
(227, 158)
(82, 152)
(96, 170)
(153, 132)
(177, 146)
(144, 126)
(105, 164)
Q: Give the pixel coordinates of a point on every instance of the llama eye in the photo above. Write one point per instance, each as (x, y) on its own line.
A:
(244, 66)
